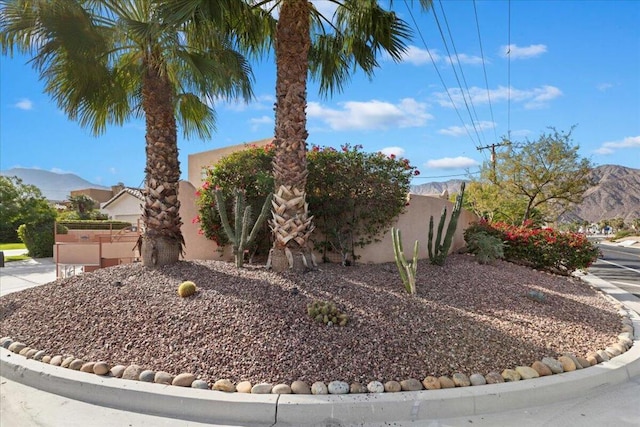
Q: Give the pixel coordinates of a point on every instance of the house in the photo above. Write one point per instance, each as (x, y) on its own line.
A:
(125, 205)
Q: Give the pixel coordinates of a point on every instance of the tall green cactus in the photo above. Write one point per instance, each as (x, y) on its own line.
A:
(239, 235)
(406, 268)
(439, 249)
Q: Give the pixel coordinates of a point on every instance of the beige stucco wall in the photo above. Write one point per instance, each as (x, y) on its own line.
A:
(206, 159)
(414, 225)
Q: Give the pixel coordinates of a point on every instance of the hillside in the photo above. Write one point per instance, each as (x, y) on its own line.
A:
(54, 186)
(615, 194)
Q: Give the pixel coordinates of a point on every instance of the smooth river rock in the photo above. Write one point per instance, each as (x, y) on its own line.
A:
(132, 372)
(281, 389)
(460, 380)
(244, 387)
(410, 384)
(392, 386)
(224, 385)
(338, 387)
(553, 364)
(431, 383)
(184, 380)
(319, 388)
(527, 373)
(162, 377)
(300, 387)
(477, 379)
(262, 388)
(375, 387)
(542, 369)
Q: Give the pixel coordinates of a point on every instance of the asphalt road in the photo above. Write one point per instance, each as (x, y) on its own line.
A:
(619, 266)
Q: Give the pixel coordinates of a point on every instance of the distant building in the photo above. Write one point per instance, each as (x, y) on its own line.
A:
(126, 205)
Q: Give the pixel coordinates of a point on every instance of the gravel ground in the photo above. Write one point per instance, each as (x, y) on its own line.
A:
(251, 324)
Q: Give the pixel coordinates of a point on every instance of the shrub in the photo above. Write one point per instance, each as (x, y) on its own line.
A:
(542, 248)
(327, 313)
(353, 196)
(485, 247)
(38, 237)
(94, 224)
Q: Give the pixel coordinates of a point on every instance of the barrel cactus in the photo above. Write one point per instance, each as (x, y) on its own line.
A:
(326, 312)
(186, 289)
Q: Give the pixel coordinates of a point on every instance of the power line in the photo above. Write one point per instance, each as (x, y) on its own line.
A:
(509, 72)
(484, 69)
(464, 79)
(455, 73)
(437, 70)
(447, 176)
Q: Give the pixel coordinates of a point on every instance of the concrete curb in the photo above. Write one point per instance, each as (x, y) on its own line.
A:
(209, 406)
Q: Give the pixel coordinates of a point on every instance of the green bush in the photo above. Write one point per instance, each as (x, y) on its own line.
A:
(485, 247)
(39, 238)
(95, 225)
(353, 196)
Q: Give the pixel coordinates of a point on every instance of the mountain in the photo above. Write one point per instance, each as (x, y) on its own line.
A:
(436, 188)
(615, 194)
(54, 186)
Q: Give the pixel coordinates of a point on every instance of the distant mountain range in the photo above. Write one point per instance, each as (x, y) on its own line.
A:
(54, 186)
(616, 194)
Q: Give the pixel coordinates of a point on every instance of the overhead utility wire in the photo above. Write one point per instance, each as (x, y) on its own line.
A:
(474, 119)
(509, 73)
(484, 69)
(437, 70)
(455, 73)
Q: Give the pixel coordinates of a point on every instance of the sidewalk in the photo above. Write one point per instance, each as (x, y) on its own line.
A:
(18, 275)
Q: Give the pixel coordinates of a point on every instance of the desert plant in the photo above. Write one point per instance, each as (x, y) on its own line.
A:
(485, 247)
(439, 249)
(407, 269)
(239, 235)
(186, 289)
(327, 313)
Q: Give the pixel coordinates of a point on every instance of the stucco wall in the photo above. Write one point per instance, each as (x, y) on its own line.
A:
(414, 225)
(206, 159)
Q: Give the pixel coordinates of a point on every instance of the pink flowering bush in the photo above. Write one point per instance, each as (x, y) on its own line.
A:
(541, 248)
(353, 196)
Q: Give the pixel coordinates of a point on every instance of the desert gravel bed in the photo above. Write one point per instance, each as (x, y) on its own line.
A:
(252, 324)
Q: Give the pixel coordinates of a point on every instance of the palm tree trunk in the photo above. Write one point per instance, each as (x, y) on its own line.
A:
(162, 240)
(291, 223)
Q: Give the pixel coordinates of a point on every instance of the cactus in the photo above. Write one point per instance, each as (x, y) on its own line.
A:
(407, 269)
(326, 312)
(186, 289)
(239, 235)
(439, 249)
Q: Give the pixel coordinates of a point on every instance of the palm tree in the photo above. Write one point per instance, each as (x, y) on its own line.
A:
(330, 49)
(106, 61)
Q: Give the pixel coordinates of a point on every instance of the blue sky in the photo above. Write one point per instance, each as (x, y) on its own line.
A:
(569, 63)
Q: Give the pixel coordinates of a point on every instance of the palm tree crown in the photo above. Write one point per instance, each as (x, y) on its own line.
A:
(106, 61)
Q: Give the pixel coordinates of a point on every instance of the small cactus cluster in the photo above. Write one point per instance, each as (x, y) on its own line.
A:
(326, 312)
(186, 289)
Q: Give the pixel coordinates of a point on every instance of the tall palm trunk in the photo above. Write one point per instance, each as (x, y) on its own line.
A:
(291, 223)
(162, 240)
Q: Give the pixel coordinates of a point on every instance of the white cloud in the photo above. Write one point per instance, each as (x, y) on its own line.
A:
(24, 104)
(451, 163)
(417, 56)
(261, 102)
(603, 87)
(532, 98)
(113, 170)
(516, 52)
(610, 147)
(258, 121)
(371, 115)
(466, 59)
(464, 130)
(396, 151)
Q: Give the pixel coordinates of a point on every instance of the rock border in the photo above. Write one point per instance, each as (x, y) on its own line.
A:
(547, 366)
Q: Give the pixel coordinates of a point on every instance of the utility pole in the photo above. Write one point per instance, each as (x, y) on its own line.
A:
(493, 154)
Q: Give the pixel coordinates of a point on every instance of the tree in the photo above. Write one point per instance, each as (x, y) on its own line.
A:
(536, 179)
(20, 203)
(83, 205)
(360, 30)
(107, 61)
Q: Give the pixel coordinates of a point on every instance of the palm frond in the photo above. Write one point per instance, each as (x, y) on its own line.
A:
(195, 116)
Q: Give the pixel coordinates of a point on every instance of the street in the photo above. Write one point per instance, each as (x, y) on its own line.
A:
(620, 266)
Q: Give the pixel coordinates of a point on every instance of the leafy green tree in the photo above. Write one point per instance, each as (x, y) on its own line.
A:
(106, 61)
(533, 180)
(20, 203)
